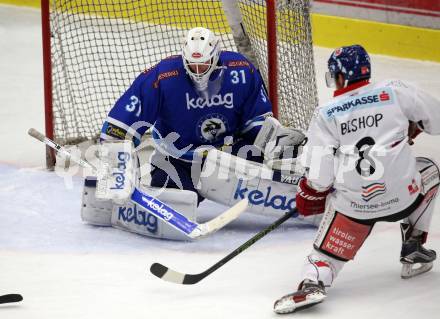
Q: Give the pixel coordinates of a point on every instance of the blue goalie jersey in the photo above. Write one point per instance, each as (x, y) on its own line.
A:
(165, 96)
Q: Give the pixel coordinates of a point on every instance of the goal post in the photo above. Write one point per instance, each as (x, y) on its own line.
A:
(94, 49)
(47, 74)
(272, 55)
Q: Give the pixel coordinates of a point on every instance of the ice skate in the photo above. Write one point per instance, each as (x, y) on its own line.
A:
(414, 257)
(309, 294)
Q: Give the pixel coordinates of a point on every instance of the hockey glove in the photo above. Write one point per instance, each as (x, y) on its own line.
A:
(309, 201)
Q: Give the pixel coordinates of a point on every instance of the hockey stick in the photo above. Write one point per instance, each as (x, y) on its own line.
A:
(154, 205)
(10, 298)
(176, 277)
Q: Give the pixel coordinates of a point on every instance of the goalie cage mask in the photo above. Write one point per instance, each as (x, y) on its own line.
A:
(201, 48)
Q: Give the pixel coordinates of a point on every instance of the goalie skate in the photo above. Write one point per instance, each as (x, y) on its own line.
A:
(309, 294)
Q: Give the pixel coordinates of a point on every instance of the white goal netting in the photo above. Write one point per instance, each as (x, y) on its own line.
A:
(98, 47)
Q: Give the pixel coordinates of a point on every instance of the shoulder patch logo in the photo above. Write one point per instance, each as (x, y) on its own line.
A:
(238, 63)
(163, 76)
(115, 131)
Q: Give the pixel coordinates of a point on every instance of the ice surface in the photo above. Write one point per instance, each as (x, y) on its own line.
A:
(66, 269)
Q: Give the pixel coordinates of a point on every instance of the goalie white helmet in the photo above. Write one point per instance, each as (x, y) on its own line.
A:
(200, 55)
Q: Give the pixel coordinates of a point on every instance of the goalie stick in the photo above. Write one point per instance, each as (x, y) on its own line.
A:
(176, 277)
(155, 206)
(10, 298)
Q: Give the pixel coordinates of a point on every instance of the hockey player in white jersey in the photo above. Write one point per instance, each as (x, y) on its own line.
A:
(361, 169)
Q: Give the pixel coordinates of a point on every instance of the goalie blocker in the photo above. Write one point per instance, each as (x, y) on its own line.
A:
(117, 170)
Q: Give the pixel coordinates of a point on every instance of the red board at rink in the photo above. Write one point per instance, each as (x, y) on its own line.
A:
(429, 8)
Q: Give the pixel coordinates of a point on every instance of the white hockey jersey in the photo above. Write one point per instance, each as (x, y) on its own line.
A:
(357, 144)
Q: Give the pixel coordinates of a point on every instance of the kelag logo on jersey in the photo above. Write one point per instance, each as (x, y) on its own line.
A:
(380, 97)
(267, 199)
(138, 217)
(226, 100)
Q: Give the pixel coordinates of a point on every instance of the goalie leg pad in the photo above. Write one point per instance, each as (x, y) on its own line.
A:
(131, 217)
(93, 211)
(227, 179)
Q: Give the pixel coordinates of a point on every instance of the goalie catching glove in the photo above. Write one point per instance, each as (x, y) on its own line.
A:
(308, 200)
(280, 145)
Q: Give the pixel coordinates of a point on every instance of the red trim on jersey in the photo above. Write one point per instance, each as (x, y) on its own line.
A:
(351, 87)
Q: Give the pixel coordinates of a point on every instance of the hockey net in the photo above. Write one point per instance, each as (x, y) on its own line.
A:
(96, 48)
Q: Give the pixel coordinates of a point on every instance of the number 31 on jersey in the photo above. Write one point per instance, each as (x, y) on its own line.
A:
(238, 76)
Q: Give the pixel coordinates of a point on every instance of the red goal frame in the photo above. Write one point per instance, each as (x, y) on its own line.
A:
(47, 68)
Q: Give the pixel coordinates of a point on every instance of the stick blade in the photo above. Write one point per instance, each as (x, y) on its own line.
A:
(229, 215)
(221, 220)
(167, 274)
(10, 298)
(173, 276)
